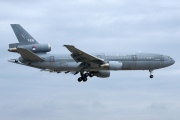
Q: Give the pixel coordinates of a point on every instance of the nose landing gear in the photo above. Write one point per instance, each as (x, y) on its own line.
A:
(151, 76)
(151, 71)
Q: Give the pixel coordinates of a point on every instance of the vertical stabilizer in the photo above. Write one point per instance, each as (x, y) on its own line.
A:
(22, 35)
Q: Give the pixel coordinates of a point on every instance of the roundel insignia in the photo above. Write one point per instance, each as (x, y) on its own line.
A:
(34, 48)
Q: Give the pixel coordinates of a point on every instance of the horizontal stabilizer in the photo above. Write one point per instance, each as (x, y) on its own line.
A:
(28, 55)
(19, 63)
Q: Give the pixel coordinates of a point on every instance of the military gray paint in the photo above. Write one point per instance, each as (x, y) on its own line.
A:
(58, 63)
(139, 61)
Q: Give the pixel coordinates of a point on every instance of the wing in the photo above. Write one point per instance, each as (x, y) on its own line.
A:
(80, 56)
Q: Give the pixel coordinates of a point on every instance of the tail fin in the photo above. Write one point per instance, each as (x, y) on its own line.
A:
(22, 35)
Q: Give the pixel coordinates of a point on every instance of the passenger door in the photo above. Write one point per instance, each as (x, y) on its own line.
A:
(134, 60)
(51, 59)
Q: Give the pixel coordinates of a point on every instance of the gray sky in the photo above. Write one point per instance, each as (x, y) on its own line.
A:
(111, 26)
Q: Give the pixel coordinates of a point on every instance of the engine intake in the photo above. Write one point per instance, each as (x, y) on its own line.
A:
(112, 65)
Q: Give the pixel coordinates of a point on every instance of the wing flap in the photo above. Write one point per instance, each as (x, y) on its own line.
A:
(28, 55)
(81, 56)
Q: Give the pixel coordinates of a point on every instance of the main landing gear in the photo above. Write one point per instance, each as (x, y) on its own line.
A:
(151, 71)
(84, 77)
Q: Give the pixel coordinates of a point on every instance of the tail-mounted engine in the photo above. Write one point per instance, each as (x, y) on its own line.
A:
(35, 48)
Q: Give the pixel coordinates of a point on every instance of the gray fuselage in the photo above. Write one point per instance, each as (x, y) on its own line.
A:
(34, 54)
(137, 61)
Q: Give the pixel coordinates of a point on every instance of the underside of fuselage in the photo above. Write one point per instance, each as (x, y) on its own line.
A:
(74, 66)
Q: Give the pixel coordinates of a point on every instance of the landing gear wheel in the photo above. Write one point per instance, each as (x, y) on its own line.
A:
(86, 74)
(85, 79)
(91, 74)
(79, 79)
(151, 76)
(151, 71)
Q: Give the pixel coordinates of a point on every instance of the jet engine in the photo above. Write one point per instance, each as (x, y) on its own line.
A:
(112, 65)
(36, 48)
(102, 73)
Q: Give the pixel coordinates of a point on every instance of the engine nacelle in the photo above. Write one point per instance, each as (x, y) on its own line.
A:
(112, 65)
(102, 73)
(33, 48)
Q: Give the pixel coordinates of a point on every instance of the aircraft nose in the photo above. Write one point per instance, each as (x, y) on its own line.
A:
(172, 61)
(169, 62)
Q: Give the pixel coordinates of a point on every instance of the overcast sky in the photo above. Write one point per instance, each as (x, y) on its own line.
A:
(95, 26)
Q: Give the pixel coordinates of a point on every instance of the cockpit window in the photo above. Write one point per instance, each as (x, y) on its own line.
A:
(169, 57)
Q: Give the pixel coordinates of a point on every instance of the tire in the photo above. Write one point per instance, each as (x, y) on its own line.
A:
(79, 79)
(86, 74)
(151, 76)
(85, 79)
(91, 74)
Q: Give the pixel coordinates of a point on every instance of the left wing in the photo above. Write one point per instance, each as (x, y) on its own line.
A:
(80, 56)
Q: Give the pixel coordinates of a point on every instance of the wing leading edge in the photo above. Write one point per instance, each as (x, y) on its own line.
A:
(81, 56)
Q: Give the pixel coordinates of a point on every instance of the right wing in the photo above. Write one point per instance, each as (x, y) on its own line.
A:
(81, 56)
